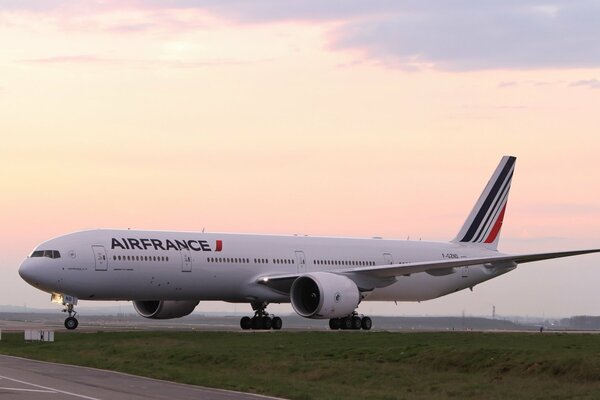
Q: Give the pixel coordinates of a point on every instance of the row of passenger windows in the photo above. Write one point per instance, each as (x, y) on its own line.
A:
(228, 260)
(46, 253)
(343, 262)
(286, 261)
(236, 260)
(140, 258)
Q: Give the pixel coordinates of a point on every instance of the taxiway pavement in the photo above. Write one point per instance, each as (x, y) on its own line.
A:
(23, 379)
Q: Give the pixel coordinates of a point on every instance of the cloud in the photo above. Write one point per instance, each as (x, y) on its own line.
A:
(75, 59)
(503, 85)
(461, 36)
(448, 35)
(589, 83)
(142, 63)
(30, 5)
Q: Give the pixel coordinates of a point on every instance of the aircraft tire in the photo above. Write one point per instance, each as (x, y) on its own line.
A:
(277, 323)
(246, 323)
(266, 323)
(257, 323)
(356, 322)
(366, 323)
(334, 324)
(346, 323)
(71, 323)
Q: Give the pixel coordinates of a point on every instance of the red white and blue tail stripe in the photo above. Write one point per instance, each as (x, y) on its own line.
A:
(482, 227)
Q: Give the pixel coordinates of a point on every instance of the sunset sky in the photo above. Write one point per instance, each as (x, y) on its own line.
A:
(337, 118)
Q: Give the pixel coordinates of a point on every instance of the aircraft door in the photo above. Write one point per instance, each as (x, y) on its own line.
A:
(388, 258)
(186, 261)
(300, 262)
(100, 258)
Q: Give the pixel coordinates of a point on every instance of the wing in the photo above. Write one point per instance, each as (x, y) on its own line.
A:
(383, 273)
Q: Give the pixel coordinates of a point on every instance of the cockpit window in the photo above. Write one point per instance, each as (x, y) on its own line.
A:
(46, 253)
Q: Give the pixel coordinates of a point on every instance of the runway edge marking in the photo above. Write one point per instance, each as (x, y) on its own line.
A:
(48, 389)
(262, 396)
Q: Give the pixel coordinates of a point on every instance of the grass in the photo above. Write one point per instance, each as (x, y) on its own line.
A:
(333, 365)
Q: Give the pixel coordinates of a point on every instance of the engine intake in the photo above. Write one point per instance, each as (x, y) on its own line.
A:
(322, 295)
(164, 309)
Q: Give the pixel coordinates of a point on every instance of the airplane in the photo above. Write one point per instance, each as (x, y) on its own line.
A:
(166, 274)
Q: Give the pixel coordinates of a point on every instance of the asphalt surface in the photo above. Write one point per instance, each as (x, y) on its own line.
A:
(23, 379)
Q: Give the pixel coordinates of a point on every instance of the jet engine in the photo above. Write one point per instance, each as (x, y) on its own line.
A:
(323, 295)
(164, 309)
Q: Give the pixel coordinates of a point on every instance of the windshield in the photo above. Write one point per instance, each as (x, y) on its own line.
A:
(46, 253)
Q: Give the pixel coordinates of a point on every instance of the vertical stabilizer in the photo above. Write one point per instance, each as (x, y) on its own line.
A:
(482, 227)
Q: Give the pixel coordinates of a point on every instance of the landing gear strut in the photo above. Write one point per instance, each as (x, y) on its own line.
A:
(353, 321)
(261, 319)
(71, 322)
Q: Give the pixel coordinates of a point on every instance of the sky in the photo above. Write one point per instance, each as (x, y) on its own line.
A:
(338, 118)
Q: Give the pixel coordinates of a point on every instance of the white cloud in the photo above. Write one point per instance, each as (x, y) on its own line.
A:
(589, 83)
(449, 35)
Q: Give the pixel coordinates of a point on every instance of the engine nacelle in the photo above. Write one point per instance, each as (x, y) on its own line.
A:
(324, 295)
(164, 309)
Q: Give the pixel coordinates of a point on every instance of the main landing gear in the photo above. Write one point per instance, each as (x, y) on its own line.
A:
(261, 319)
(351, 322)
(71, 322)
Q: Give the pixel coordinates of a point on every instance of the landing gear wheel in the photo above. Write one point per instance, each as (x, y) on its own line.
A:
(346, 323)
(71, 323)
(277, 323)
(366, 323)
(267, 323)
(261, 319)
(246, 323)
(355, 322)
(335, 324)
(257, 323)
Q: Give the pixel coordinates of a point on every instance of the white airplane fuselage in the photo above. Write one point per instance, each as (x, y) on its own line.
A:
(166, 274)
(136, 265)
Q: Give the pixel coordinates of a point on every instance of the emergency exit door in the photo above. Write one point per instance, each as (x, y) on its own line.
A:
(388, 258)
(100, 258)
(301, 262)
(186, 261)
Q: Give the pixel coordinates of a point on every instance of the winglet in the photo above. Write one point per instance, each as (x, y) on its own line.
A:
(482, 227)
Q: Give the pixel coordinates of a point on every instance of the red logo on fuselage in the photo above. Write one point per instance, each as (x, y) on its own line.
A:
(219, 245)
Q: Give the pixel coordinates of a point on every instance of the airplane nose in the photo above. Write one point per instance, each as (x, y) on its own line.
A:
(27, 272)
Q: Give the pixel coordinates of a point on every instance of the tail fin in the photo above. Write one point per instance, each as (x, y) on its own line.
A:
(482, 227)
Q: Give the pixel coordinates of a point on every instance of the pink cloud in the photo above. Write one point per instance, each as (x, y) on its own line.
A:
(76, 59)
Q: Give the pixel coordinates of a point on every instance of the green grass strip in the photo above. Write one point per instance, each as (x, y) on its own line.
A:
(333, 365)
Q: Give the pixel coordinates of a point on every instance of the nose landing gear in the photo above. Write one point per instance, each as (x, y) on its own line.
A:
(70, 322)
(68, 302)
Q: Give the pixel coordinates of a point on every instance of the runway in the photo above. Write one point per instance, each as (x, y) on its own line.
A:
(23, 379)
